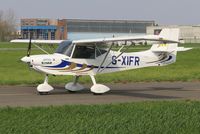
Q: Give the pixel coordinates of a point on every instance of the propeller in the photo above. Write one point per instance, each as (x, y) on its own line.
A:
(27, 59)
(29, 46)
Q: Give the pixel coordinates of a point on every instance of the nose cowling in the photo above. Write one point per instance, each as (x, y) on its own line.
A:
(42, 60)
(26, 59)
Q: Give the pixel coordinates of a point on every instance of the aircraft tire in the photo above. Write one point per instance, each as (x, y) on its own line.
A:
(73, 92)
(97, 94)
(43, 93)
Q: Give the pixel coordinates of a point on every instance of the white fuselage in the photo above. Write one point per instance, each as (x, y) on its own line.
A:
(59, 64)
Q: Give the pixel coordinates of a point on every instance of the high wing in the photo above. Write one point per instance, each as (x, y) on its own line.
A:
(166, 36)
(128, 38)
(37, 41)
(105, 40)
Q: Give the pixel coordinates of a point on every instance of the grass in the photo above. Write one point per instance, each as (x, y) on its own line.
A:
(14, 72)
(139, 117)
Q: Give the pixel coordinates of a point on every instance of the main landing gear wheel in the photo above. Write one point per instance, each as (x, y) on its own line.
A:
(45, 88)
(98, 89)
(74, 86)
(96, 94)
(43, 93)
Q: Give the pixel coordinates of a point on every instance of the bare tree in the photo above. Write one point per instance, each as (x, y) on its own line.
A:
(7, 25)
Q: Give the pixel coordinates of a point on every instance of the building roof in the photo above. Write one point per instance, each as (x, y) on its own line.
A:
(51, 27)
(111, 21)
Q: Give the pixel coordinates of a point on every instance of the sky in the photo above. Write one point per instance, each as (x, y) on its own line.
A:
(171, 12)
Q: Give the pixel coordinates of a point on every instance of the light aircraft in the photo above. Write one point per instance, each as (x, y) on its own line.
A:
(90, 57)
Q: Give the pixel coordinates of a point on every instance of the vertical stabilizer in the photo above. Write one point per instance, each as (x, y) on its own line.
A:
(172, 33)
(167, 52)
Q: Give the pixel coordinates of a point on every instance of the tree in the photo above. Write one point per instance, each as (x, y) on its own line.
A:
(7, 25)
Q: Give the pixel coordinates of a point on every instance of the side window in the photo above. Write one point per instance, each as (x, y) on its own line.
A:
(100, 51)
(87, 52)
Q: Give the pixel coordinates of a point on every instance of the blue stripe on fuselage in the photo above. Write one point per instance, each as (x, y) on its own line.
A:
(67, 63)
(62, 64)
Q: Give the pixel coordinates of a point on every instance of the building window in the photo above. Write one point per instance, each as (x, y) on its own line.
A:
(45, 34)
(52, 35)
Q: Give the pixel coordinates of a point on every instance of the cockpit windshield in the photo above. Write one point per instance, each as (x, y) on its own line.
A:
(86, 51)
(65, 48)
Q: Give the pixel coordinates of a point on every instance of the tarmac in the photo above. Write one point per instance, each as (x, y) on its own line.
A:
(119, 93)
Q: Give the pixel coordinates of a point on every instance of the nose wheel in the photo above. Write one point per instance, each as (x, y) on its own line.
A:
(74, 86)
(44, 88)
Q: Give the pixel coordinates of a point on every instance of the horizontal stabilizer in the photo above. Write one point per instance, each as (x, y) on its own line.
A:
(168, 48)
(181, 49)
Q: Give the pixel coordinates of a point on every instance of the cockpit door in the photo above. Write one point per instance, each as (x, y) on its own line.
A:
(84, 52)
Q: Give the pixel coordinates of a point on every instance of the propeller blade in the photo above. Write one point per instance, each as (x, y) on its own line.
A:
(29, 46)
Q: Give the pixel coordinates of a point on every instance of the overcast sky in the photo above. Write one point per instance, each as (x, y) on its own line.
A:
(162, 11)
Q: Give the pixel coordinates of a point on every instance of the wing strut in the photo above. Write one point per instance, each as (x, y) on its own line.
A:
(105, 57)
(117, 57)
(40, 48)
